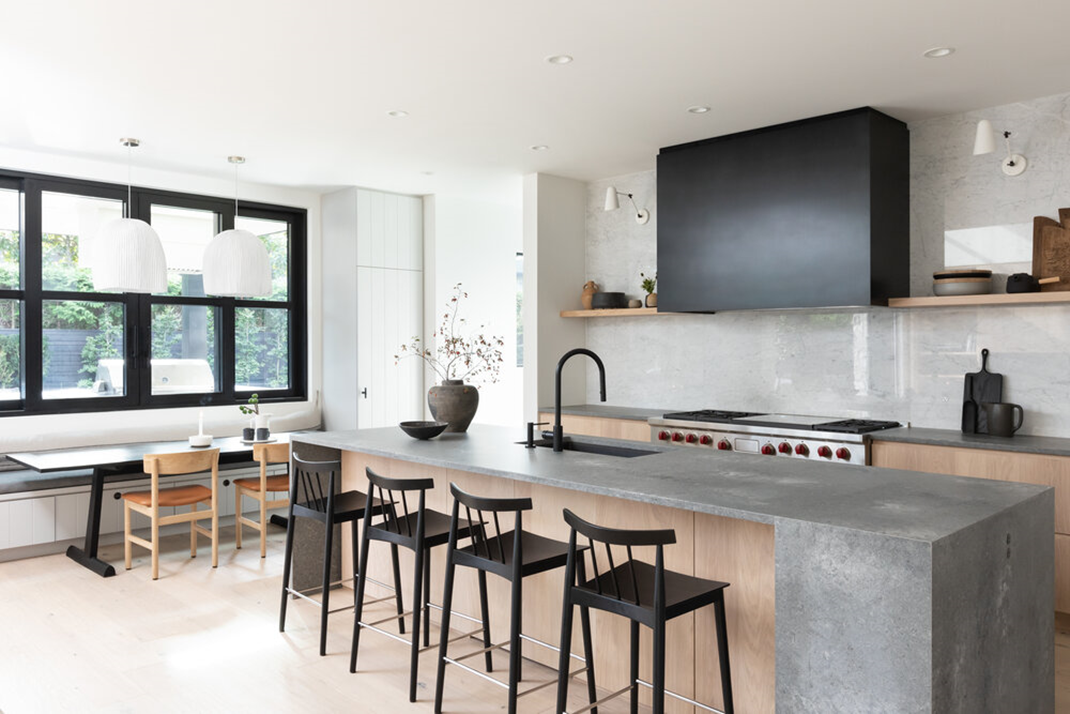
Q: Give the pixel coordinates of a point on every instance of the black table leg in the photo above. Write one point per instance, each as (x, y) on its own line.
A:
(87, 557)
(278, 520)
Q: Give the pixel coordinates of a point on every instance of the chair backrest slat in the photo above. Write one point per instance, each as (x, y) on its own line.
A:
(609, 537)
(311, 482)
(493, 506)
(386, 486)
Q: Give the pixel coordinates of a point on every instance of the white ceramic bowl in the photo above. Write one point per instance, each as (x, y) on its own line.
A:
(962, 286)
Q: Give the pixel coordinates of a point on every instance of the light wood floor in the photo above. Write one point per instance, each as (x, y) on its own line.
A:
(207, 640)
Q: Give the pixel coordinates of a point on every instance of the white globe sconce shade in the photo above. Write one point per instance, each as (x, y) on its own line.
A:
(236, 264)
(129, 258)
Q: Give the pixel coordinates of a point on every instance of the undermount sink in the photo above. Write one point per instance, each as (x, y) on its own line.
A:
(589, 448)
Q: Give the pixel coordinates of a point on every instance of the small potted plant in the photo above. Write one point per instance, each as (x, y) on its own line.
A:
(258, 426)
(650, 285)
(460, 358)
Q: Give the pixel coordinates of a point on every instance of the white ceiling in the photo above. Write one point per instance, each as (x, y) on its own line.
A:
(303, 88)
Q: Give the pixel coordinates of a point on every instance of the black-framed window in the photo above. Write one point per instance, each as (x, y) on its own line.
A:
(65, 347)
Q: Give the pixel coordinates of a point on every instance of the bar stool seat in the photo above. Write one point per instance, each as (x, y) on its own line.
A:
(683, 593)
(537, 554)
(348, 505)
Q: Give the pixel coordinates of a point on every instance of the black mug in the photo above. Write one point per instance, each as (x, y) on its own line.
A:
(248, 433)
(263, 434)
(1001, 421)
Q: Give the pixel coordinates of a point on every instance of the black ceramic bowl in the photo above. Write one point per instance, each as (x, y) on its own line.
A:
(423, 429)
(608, 301)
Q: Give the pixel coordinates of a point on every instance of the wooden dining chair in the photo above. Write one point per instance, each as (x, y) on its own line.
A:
(259, 488)
(150, 502)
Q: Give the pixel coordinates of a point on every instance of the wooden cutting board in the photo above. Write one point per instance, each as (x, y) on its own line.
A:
(1051, 250)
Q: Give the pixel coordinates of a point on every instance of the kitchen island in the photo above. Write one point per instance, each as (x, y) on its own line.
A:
(852, 588)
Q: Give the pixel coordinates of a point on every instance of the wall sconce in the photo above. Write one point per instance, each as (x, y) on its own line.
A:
(612, 203)
(985, 143)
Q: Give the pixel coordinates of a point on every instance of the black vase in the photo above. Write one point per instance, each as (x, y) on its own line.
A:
(453, 402)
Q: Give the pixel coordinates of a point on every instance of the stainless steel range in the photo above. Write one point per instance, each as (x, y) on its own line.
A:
(794, 436)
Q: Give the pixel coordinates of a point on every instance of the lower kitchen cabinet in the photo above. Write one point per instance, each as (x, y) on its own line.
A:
(1014, 466)
(627, 429)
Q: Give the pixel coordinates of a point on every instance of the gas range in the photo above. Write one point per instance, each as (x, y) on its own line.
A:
(796, 436)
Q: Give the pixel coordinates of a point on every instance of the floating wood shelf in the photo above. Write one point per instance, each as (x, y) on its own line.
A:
(615, 312)
(978, 300)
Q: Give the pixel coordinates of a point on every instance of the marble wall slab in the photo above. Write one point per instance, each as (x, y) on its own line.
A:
(906, 365)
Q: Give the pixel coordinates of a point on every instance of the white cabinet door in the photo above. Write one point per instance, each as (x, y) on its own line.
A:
(72, 511)
(31, 521)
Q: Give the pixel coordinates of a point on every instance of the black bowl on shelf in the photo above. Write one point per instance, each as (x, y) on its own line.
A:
(608, 301)
(423, 429)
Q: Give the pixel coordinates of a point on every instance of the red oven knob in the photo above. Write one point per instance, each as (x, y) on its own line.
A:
(705, 440)
(769, 450)
(785, 447)
(842, 453)
(802, 450)
(677, 436)
(723, 445)
(691, 439)
(664, 436)
(824, 452)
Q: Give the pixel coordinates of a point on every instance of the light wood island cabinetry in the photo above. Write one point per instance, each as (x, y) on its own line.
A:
(609, 428)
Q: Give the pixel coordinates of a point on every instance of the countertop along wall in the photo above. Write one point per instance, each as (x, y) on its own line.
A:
(906, 365)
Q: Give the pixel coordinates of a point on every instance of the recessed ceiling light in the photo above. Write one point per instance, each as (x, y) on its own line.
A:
(397, 113)
(698, 109)
(938, 52)
(559, 59)
(428, 173)
(539, 147)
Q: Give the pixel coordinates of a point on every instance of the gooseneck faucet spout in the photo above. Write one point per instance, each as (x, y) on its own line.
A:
(559, 436)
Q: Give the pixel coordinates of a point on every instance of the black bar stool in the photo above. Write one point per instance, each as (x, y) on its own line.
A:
(419, 531)
(513, 555)
(309, 499)
(645, 594)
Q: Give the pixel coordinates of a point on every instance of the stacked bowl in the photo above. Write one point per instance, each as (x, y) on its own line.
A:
(962, 282)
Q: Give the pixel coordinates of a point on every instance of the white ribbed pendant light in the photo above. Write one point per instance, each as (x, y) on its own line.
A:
(130, 256)
(236, 262)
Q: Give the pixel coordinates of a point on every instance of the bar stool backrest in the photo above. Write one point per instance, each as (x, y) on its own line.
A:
(308, 482)
(384, 488)
(619, 537)
(485, 546)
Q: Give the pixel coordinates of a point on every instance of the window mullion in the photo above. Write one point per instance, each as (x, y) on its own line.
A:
(32, 321)
(227, 349)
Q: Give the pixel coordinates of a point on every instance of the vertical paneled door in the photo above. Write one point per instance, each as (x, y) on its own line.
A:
(373, 303)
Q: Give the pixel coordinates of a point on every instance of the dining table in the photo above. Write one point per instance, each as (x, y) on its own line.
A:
(124, 460)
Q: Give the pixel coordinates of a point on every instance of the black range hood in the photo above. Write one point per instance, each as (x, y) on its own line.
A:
(813, 213)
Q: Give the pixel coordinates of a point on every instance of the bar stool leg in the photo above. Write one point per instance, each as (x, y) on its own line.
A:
(358, 609)
(588, 648)
(722, 655)
(444, 637)
(417, 611)
(397, 588)
(516, 609)
(325, 600)
(659, 666)
(635, 668)
(484, 608)
(427, 599)
(565, 643)
(286, 558)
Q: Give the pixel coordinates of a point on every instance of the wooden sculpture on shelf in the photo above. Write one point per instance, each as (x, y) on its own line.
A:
(1051, 250)
(589, 289)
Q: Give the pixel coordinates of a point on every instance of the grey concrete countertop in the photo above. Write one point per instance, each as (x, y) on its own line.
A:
(1049, 445)
(608, 412)
(902, 504)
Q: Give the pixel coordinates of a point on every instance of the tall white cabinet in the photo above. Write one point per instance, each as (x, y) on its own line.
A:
(372, 304)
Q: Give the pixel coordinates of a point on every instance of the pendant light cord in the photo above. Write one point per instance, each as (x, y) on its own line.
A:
(129, 175)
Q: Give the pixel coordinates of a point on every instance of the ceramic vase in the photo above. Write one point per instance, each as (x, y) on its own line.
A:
(453, 402)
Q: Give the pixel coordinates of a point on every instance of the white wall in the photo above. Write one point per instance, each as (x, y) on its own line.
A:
(475, 243)
(115, 427)
(553, 281)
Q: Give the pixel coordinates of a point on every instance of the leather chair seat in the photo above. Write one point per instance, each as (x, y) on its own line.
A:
(182, 496)
(274, 483)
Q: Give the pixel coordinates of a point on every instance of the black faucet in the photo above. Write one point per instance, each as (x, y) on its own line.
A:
(559, 435)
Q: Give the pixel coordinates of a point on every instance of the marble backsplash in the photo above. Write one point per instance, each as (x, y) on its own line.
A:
(906, 365)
